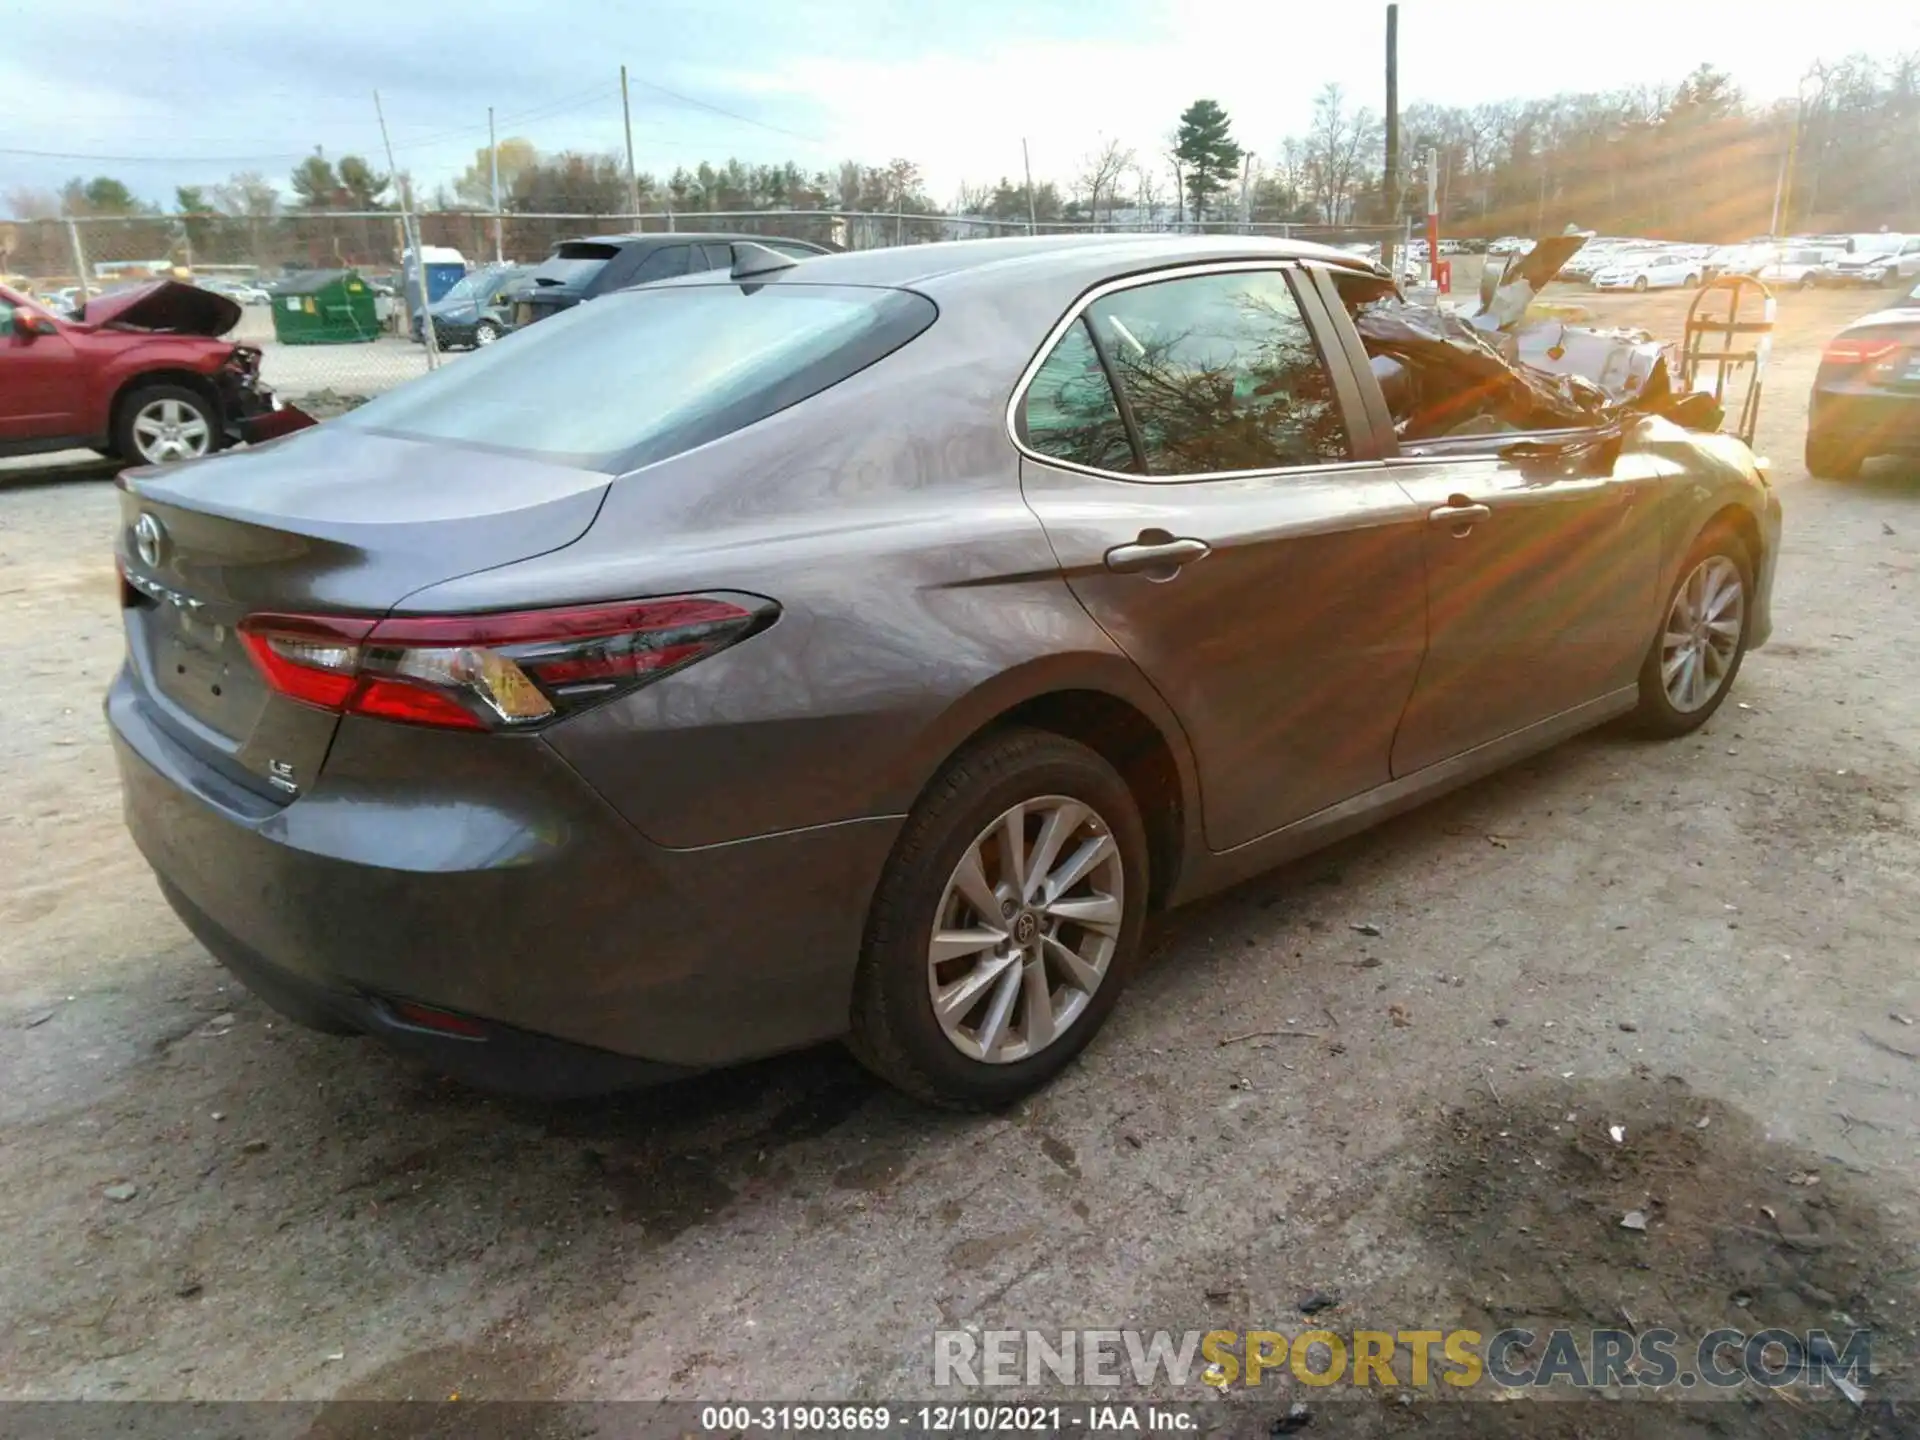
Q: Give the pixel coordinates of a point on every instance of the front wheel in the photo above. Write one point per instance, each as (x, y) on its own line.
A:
(1693, 282)
(159, 424)
(1005, 923)
(1703, 638)
(1807, 282)
(1639, 282)
(485, 333)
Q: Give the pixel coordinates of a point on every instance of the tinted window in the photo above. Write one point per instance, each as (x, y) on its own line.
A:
(798, 252)
(1222, 374)
(1070, 412)
(574, 262)
(642, 374)
(714, 257)
(661, 264)
(6, 317)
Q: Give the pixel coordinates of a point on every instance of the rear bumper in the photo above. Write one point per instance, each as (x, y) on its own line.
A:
(502, 888)
(1872, 424)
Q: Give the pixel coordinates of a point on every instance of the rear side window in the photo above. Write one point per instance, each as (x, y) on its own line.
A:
(1222, 374)
(662, 264)
(639, 375)
(1070, 411)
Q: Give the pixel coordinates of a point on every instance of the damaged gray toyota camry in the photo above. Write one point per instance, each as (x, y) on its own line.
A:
(861, 647)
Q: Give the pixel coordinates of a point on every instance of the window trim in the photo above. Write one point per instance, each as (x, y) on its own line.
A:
(1347, 394)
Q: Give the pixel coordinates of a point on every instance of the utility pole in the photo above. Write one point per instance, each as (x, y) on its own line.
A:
(1033, 211)
(1393, 131)
(79, 265)
(1433, 215)
(493, 152)
(410, 227)
(1246, 192)
(633, 184)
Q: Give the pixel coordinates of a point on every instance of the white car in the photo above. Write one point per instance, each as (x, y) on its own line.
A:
(1651, 270)
(1745, 259)
(1509, 245)
(1795, 266)
(238, 291)
(1876, 260)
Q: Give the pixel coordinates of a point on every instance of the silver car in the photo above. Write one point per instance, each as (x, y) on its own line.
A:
(860, 647)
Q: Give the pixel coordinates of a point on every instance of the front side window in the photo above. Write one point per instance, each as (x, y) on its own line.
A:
(1222, 374)
(6, 318)
(1070, 411)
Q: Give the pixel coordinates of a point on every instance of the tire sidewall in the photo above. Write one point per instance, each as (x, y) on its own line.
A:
(913, 892)
(1657, 712)
(125, 445)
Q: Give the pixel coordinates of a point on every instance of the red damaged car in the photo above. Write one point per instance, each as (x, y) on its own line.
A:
(142, 375)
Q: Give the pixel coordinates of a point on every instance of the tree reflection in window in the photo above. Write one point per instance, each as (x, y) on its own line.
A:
(1222, 374)
(1071, 414)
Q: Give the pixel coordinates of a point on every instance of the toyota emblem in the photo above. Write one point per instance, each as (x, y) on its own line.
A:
(148, 538)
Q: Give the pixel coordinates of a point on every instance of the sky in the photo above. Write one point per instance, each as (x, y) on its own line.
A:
(171, 92)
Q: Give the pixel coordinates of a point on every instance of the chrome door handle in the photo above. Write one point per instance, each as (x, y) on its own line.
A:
(1462, 518)
(1166, 555)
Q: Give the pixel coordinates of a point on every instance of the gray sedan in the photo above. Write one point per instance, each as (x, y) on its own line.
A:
(860, 647)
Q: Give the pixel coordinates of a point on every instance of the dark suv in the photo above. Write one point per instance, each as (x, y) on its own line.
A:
(581, 269)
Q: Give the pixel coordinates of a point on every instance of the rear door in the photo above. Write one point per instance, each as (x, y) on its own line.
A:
(1190, 445)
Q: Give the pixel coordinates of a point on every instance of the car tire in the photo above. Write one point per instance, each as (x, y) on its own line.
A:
(1640, 282)
(1693, 282)
(484, 334)
(1691, 624)
(1827, 459)
(984, 1055)
(160, 424)
(1807, 281)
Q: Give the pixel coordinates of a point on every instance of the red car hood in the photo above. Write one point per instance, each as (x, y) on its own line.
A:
(165, 305)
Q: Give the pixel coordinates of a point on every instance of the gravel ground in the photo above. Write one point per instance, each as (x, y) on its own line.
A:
(202, 1202)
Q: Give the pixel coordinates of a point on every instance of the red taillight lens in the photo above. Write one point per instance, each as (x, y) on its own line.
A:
(504, 670)
(1861, 352)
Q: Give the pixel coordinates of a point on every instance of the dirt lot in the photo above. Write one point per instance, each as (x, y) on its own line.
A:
(1709, 943)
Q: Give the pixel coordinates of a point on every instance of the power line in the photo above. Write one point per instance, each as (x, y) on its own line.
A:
(730, 114)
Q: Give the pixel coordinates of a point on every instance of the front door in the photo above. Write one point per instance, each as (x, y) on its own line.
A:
(1542, 574)
(39, 389)
(1188, 450)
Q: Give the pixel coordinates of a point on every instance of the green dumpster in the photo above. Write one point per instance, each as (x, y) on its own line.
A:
(324, 307)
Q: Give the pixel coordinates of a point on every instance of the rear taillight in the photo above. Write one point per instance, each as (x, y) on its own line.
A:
(1861, 352)
(501, 671)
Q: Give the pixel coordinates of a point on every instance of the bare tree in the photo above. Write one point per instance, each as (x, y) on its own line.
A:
(1146, 185)
(1336, 156)
(1100, 175)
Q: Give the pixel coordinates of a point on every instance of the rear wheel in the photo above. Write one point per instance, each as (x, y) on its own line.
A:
(1005, 924)
(1694, 658)
(1693, 282)
(1807, 282)
(159, 424)
(1828, 459)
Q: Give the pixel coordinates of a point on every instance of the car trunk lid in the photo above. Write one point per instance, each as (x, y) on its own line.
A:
(331, 521)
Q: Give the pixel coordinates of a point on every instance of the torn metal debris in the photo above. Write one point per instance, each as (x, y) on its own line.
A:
(1492, 370)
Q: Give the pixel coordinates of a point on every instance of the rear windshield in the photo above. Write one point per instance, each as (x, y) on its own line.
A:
(639, 375)
(574, 263)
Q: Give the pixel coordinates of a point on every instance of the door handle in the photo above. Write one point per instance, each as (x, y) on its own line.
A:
(1459, 513)
(1167, 555)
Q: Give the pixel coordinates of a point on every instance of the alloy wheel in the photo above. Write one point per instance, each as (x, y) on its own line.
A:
(168, 430)
(1702, 635)
(1026, 929)
(485, 334)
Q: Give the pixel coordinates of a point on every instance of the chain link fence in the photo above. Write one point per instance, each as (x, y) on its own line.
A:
(272, 264)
